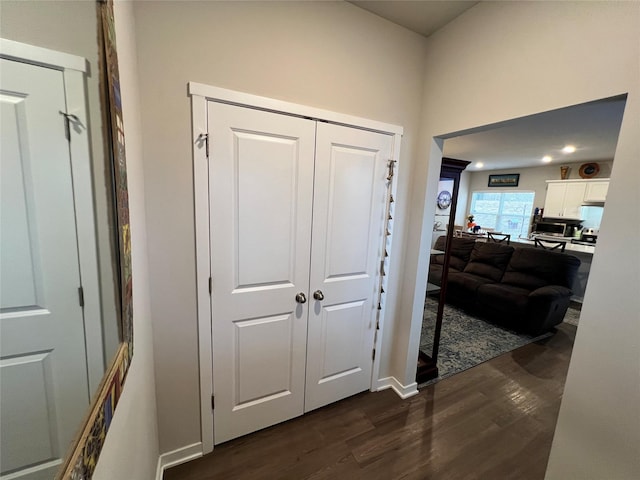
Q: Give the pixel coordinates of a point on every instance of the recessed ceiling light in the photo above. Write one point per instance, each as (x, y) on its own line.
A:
(546, 159)
(479, 164)
(569, 149)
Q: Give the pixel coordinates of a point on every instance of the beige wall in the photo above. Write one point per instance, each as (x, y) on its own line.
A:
(504, 60)
(131, 447)
(533, 179)
(330, 55)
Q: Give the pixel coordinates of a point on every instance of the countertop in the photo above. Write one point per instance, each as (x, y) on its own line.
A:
(570, 247)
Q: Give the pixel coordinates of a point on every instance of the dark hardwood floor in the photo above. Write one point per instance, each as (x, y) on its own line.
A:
(494, 421)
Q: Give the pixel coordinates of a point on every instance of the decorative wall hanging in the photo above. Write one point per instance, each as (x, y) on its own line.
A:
(589, 170)
(444, 200)
(505, 180)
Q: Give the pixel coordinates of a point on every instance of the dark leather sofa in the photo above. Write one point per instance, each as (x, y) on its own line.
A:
(526, 289)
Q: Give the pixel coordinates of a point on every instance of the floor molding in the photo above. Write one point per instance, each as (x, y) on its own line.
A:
(178, 456)
(403, 391)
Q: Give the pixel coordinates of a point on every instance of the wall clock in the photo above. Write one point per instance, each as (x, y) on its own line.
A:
(444, 200)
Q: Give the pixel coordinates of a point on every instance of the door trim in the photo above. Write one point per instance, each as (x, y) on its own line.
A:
(74, 69)
(201, 94)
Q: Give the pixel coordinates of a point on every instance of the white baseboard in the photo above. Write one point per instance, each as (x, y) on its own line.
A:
(178, 456)
(403, 391)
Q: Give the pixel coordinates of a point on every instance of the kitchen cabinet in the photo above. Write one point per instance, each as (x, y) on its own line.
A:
(596, 191)
(564, 199)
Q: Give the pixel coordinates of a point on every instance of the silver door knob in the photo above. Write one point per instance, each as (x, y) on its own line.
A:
(318, 295)
(301, 298)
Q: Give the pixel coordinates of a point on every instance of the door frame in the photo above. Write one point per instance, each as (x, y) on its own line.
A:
(74, 69)
(201, 94)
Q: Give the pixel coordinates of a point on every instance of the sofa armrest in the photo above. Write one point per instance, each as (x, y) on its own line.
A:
(547, 306)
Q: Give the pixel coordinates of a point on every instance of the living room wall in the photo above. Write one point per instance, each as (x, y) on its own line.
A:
(521, 58)
(531, 179)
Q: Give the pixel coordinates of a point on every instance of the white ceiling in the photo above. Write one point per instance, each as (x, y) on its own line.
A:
(420, 16)
(592, 128)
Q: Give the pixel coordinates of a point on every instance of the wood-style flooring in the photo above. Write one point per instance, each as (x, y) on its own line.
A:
(494, 421)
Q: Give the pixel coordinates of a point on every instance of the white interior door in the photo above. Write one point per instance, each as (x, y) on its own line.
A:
(43, 372)
(261, 188)
(348, 223)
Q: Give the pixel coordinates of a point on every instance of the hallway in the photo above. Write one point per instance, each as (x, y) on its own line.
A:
(493, 421)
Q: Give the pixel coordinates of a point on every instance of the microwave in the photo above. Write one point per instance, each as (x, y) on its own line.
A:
(552, 229)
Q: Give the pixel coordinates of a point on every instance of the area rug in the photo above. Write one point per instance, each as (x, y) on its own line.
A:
(467, 341)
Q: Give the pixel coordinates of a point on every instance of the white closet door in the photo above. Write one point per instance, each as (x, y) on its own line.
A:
(349, 206)
(261, 188)
(43, 388)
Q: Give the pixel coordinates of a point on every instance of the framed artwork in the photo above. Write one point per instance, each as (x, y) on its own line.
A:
(504, 180)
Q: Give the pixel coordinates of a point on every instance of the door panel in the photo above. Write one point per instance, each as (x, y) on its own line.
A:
(28, 395)
(348, 213)
(265, 183)
(340, 324)
(43, 358)
(261, 187)
(255, 340)
(348, 222)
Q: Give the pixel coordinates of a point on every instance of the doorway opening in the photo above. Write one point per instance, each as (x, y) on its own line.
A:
(534, 183)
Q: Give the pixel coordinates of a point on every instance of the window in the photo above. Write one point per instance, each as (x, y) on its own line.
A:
(506, 212)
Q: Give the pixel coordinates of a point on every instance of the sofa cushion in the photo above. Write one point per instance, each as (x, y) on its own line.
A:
(504, 297)
(435, 273)
(463, 286)
(532, 268)
(460, 251)
(489, 260)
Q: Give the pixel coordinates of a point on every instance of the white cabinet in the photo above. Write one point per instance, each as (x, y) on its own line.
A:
(554, 203)
(596, 191)
(566, 197)
(564, 200)
(573, 199)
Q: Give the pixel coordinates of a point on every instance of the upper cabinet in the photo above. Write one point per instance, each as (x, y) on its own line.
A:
(596, 191)
(565, 197)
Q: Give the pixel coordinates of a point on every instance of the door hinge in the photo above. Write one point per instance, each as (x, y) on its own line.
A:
(213, 402)
(210, 285)
(373, 355)
(81, 296)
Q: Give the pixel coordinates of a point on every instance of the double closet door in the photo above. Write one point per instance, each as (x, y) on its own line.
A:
(297, 217)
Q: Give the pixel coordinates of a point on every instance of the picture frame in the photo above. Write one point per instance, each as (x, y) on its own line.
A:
(504, 180)
(81, 462)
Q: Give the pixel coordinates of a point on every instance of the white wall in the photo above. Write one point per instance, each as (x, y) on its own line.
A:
(330, 55)
(131, 448)
(504, 60)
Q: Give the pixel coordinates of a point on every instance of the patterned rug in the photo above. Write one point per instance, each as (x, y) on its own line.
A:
(466, 341)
